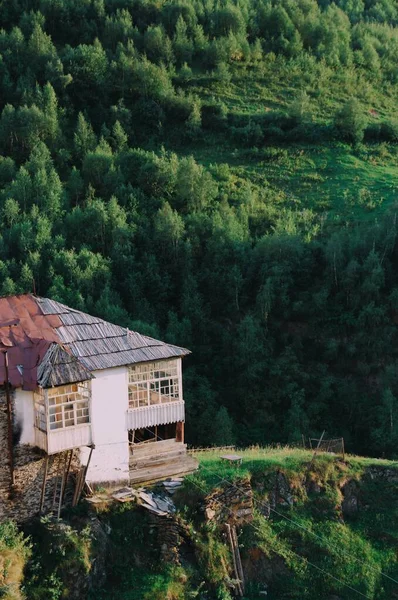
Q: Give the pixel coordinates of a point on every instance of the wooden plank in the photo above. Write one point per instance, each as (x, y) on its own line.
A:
(187, 465)
(236, 573)
(151, 448)
(232, 457)
(238, 559)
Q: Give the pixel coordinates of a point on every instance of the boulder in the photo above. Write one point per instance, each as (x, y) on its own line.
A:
(349, 506)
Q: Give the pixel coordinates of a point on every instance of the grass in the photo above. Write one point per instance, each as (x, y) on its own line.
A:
(331, 179)
(293, 461)
(303, 551)
(353, 552)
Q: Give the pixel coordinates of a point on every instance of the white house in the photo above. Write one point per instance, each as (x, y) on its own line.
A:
(78, 382)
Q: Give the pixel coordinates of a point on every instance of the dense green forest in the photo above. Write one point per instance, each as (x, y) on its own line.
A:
(221, 175)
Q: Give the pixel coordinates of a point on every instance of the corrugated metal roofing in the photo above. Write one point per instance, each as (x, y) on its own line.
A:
(30, 326)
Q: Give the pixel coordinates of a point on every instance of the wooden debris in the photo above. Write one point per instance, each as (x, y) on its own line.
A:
(158, 503)
(172, 484)
(123, 494)
(238, 570)
(147, 499)
(154, 510)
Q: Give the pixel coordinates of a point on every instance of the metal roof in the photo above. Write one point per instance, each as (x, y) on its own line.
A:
(31, 328)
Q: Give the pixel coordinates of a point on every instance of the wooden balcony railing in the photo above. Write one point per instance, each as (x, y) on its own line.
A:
(63, 439)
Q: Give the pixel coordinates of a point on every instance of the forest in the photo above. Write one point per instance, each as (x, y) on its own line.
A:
(220, 174)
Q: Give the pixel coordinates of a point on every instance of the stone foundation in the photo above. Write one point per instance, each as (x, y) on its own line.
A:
(22, 502)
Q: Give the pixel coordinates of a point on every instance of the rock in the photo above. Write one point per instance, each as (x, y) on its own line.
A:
(283, 493)
(349, 506)
(147, 499)
(231, 503)
(314, 488)
(155, 510)
(165, 505)
(265, 509)
(382, 474)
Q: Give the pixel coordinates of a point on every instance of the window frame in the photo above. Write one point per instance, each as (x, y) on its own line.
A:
(147, 380)
(69, 404)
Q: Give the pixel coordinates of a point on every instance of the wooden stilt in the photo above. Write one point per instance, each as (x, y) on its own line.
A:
(180, 431)
(63, 483)
(67, 474)
(57, 477)
(81, 479)
(77, 486)
(43, 487)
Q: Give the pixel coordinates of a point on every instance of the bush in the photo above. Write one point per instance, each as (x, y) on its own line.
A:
(214, 115)
(386, 131)
(389, 131)
(350, 122)
(15, 551)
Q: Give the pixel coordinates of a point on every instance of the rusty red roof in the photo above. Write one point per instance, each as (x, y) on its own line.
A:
(29, 325)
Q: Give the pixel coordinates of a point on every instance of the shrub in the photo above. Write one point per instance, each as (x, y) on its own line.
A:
(350, 122)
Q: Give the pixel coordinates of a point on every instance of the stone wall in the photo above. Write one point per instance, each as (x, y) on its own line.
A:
(23, 501)
(231, 504)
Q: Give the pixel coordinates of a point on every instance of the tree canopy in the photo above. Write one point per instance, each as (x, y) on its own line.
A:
(148, 174)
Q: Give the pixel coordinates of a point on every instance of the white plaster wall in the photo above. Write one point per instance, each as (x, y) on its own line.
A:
(109, 403)
(24, 416)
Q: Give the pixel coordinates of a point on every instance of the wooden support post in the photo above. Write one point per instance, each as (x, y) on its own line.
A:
(9, 423)
(77, 486)
(43, 487)
(180, 431)
(81, 480)
(342, 442)
(67, 475)
(57, 477)
(61, 491)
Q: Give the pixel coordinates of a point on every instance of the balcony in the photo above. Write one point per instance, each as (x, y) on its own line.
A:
(155, 414)
(63, 439)
(62, 417)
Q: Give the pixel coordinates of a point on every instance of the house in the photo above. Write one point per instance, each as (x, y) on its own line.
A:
(111, 397)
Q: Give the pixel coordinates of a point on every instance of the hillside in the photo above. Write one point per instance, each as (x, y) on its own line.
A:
(221, 175)
(327, 529)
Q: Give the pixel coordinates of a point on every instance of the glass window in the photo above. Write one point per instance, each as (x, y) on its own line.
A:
(153, 383)
(68, 406)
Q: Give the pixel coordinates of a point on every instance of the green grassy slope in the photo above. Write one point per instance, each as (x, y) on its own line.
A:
(324, 175)
(305, 550)
(325, 528)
